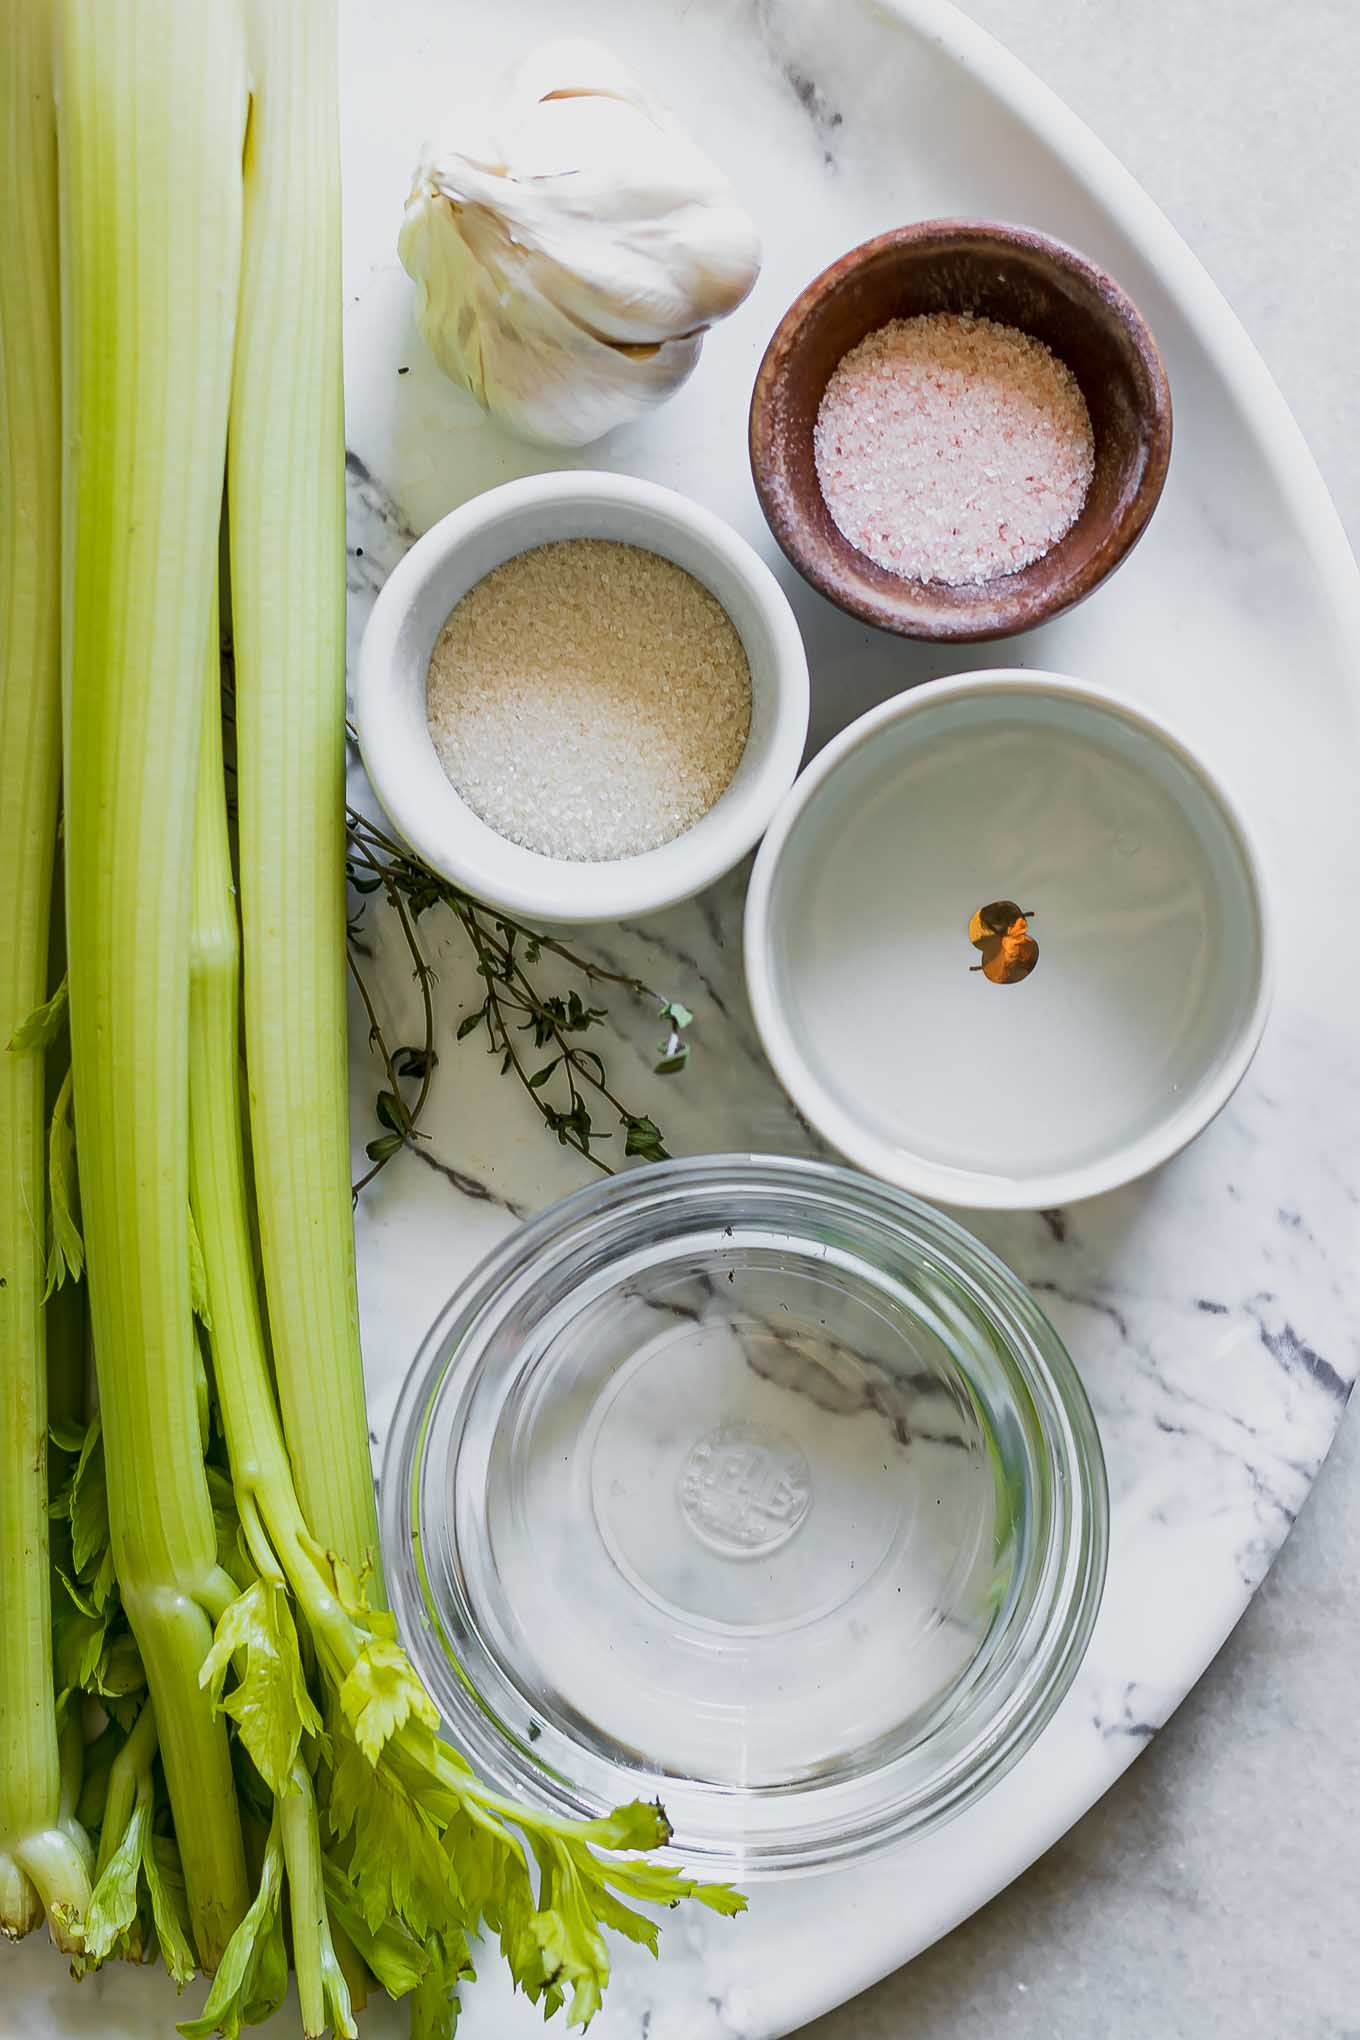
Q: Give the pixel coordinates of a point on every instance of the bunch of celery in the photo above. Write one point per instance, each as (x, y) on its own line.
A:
(196, 1670)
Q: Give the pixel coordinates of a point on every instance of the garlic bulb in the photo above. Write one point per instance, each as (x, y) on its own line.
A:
(569, 255)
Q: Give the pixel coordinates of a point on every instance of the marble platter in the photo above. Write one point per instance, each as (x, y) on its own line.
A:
(1207, 1308)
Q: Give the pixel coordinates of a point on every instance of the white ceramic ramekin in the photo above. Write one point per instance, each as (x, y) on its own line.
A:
(459, 551)
(1138, 880)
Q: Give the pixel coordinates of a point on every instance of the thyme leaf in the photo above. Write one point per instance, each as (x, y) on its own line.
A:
(518, 1020)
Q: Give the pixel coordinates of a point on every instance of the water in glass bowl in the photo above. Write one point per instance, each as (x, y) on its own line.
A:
(755, 1485)
(750, 1510)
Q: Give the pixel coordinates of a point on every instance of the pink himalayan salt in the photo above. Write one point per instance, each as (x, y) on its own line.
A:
(953, 449)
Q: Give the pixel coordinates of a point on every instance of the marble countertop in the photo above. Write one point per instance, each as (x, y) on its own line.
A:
(1217, 1886)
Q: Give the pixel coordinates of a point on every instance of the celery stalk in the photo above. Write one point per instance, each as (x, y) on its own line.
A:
(272, 1519)
(41, 1869)
(218, 1184)
(323, 1992)
(151, 118)
(129, 1768)
(287, 544)
(261, 1476)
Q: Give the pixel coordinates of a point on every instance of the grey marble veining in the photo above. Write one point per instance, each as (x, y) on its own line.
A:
(1208, 1310)
(1216, 1887)
(1211, 1310)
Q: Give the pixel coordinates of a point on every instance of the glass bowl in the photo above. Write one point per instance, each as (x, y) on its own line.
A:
(753, 1485)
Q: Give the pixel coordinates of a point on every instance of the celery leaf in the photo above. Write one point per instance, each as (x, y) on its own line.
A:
(661, 1884)
(510, 1909)
(90, 1506)
(640, 1824)
(345, 1584)
(78, 1640)
(66, 1433)
(567, 1932)
(120, 1672)
(169, 1907)
(269, 1703)
(621, 1919)
(94, 1783)
(198, 1277)
(43, 1024)
(252, 1977)
(66, 1248)
(381, 1693)
(113, 1902)
(80, 1598)
(391, 1950)
(435, 2007)
(226, 1523)
(397, 1866)
(139, 1902)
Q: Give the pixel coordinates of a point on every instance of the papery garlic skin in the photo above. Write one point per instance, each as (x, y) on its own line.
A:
(569, 256)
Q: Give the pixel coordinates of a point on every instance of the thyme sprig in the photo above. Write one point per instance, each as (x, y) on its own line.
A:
(536, 1035)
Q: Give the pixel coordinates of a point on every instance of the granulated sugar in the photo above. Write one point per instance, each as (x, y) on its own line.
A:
(953, 449)
(589, 700)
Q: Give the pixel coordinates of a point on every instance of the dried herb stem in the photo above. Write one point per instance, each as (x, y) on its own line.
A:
(513, 1005)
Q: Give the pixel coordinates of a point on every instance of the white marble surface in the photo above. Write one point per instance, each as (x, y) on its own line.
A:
(1211, 1311)
(1208, 1309)
(1216, 1888)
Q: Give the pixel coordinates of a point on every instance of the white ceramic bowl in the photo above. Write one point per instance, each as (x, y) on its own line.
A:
(459, 551)
(1139, 883)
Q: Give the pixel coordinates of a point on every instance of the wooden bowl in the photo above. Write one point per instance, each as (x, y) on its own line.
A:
(1019, 278)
